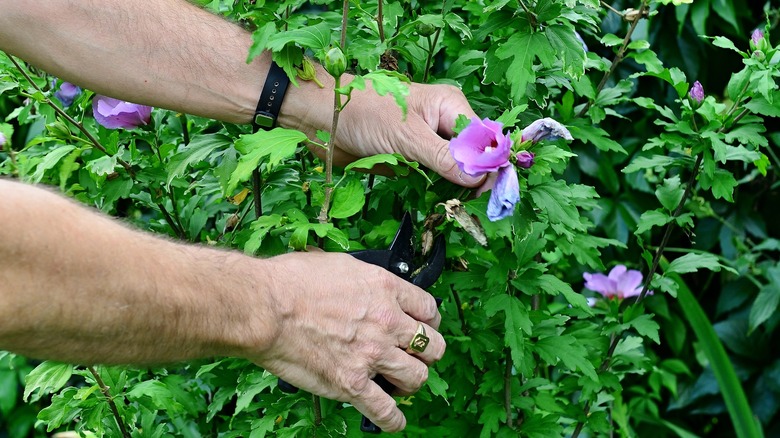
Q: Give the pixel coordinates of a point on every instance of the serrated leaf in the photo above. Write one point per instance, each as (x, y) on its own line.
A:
(50, 160)
(277, 144)
(46, 378)
(597, 137)
(645, 326)
(693, 262)
(654, 161)
(566, 348)
(670, 193)
(767, 300)
(516, 322)
(199, 149)
(317, 38)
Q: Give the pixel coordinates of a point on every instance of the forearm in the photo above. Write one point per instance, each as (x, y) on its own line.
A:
(77, 286)
(164, 53)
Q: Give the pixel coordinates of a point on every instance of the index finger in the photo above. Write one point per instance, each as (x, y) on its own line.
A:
(380, 408)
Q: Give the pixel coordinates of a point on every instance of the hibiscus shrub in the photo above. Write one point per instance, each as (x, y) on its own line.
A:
(620, 275)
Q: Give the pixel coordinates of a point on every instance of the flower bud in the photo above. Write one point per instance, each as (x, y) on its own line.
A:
(335, 62)
(525, 159)
(425, 29)
(696, 92)
(755, 39)
(59, 130)
(759, 55)
(2, 139)
(307, 72)
(67, 92)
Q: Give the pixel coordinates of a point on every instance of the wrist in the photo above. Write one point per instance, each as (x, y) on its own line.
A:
(308, 107)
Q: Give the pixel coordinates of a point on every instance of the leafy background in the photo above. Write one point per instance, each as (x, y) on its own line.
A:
(526, 355)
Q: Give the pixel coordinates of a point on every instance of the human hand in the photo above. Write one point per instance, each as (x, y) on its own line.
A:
(371, 124)
(341, 322)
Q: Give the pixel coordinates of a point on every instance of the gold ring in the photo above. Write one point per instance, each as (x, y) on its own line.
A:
(419, 341)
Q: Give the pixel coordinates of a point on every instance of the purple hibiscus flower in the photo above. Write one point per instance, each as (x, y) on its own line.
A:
(67, 92)
(696, 92)
(525, 159)
(481, 147)
(113, 113)
(545, 129)
(620, 283)
(505, 194)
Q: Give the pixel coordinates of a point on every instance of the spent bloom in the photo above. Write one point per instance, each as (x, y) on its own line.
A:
(620, 283)
(525, 159)
(481, 147)
(113, 113)
(545, 129)
(697, 92)
(67, 92)
(505, 194)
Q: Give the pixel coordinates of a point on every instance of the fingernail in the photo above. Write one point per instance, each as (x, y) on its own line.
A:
(469, 180)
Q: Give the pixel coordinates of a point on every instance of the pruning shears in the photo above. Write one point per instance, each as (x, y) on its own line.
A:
(400, 259)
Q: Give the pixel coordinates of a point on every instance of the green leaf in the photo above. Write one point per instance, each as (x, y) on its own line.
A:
(670, 193)
(516, 323)
(566, 348)
(767, 300)
(645, 326)
(692, 263)
(348, 199)
(159, 394)
(277, 144)
(725, 43)
(199, 149)
(260, 228)
(761, 105)
(50, 160)
(522, 48)
(436, 384)
(103, 165)
(745, 423)
(567, 48)
(554, 199)
(597, 137)
(317, 38)
(46, 378)
(654, 161)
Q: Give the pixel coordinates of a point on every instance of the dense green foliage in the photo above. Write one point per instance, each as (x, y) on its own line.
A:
(649, 168)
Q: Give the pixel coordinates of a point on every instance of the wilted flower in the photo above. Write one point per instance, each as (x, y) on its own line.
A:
(697, 92)
(2, 139)
(481, 147)
(620, 283)
(525, 159)
(505, 194)
(67, 92)
(545, 129)
(113, 113)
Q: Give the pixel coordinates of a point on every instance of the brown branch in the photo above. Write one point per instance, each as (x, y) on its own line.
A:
(95, 143)
(110, 399)
(380, 21)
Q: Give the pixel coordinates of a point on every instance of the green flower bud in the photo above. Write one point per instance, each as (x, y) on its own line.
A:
(335, 62)
(425, 29)
(59, 130)
(307, 72)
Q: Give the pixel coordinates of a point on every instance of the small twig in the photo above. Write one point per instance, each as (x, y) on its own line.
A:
(508, 389)
(70, 119)
(431, 48)
(110, 399)
(257, 183)
(316, 403)
(185, 130)
(618, 57)
(176, 215)
(531, 15)
(461, 316)
(12, 156)
(371, 179)
(380, 21)
(608, 6)
(169, 219)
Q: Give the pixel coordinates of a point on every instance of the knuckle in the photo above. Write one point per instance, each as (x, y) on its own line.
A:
(388, 415)
(421, 376)
(355, 385)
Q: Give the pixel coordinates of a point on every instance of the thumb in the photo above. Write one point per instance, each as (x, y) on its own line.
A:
(435, 154)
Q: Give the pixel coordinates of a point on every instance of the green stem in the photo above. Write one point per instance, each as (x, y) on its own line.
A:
(508, 388)
(257, 183)
(185, 130)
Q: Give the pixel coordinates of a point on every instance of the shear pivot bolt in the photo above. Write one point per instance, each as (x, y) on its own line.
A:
(402, 267)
